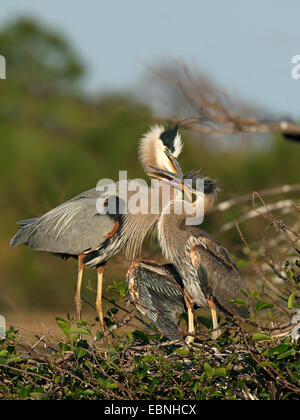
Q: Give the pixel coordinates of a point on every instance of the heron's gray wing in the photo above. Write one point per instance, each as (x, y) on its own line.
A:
(156, 294)
(219, 277)
(71, 228)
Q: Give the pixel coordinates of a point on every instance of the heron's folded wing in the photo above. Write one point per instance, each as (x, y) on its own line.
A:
(218, 275)
(155, 292)
(73, 227)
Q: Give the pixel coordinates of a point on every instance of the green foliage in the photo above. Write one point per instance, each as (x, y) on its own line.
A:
(138, 364)
(38, 58)
(137, 367)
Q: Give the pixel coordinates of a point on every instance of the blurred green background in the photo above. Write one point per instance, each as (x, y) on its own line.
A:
(56, 141)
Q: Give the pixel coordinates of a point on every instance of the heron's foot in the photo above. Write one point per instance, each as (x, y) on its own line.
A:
(189, 340)
(216, 334)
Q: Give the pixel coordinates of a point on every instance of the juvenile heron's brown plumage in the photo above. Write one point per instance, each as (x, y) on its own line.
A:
(209, 276)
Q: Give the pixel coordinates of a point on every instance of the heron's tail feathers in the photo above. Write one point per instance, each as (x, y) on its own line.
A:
(21, 237)
(26, 221)
(241, 311)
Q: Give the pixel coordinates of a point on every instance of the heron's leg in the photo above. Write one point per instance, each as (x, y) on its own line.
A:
(78, 302)
(191, 328)
(216, 330)
(99, 308)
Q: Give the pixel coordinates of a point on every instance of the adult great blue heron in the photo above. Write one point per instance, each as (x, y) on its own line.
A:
(76, 229)
(209, 276)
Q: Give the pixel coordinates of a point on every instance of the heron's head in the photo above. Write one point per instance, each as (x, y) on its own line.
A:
(160, 148)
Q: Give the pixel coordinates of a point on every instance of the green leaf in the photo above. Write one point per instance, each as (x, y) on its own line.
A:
(238, 301)
(80, 352)
(89, 392)
(291, 301)
(260, 337)
(182, 352)
(185, 377)
(196, 387)
(281, 348)
(78, 331)
(208, 369)
(63, 325)
(148, 359)
(15, 359)
(286, 354)
(263, 305)
(220, 372)
(108, 383)
(140, 335)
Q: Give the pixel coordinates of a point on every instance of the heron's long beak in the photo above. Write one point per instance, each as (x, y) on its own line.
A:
(173, 179)
(174, 163)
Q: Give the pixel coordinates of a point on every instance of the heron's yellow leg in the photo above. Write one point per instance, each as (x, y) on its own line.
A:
(99, 308)
(216, 331)
(191, 327)
(78, 302)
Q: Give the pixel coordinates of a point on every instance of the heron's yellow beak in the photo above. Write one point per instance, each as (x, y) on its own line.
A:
(186, 192)
(173, 178)
(174, 164)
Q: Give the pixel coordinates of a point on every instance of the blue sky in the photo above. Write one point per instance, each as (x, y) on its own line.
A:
(245, 46)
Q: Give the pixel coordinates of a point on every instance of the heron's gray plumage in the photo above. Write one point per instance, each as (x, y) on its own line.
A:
(156, 291)
(76, 226)
(71, 228)
(218, 276)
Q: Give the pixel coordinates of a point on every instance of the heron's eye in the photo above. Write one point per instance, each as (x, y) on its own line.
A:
(105, 201)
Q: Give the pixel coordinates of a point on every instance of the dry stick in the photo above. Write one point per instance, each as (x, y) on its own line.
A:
(283, 204)
(27, 372)
(271, 264)
(237, 123)
(28, 349)
(100, 369)
(278, 224)
(217, 113)
(277, 241)
(259, 266)
(115, 304)
(225, 205)
(279, 275)
(266, 364)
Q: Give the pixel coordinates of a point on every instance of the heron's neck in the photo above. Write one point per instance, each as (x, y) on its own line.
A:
(171, 232)
(137, 226)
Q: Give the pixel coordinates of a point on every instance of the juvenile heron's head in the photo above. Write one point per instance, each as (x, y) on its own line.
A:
(193, 185)
(160, 148)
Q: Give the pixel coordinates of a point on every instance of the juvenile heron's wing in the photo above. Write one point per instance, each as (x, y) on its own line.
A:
(156, 292)
(219, 277)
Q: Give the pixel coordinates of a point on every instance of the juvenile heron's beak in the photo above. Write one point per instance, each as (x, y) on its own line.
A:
(173, 179)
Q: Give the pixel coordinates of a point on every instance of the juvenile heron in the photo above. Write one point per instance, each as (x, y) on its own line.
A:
(209, 276)
(157, 292)
(76, 229)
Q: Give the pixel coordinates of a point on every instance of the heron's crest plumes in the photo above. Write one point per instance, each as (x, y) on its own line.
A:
(209, 185)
